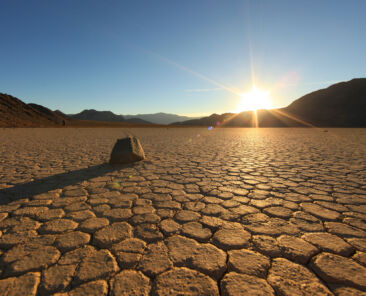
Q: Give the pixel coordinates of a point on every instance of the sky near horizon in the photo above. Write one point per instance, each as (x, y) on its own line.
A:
(192, 57)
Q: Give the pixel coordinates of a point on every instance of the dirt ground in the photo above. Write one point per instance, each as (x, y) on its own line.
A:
(209, 212)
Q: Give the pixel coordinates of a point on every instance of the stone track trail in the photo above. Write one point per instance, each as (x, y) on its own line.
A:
(220, 212)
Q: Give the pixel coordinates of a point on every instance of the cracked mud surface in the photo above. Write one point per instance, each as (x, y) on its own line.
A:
(221, 212)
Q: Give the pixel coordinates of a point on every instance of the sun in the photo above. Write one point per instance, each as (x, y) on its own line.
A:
(254, 100)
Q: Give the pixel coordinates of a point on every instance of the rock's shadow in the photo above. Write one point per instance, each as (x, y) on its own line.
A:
(27, 190)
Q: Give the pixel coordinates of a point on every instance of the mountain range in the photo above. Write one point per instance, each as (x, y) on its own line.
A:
(156, 118)
(15, 113)
(91, 114)
(161, 118)
(340, 105)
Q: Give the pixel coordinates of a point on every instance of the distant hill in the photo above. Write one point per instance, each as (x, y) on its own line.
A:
(108, 116)
(15, 113)
(265, 118)
(161, 118)
(61, 114)
(340, 105)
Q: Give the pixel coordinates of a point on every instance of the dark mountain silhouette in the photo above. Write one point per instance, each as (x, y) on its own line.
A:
(61, 114)
(340, 105)
(161, 118)
(15, 113)
(265, 118)
(109, 116)
(92, 114)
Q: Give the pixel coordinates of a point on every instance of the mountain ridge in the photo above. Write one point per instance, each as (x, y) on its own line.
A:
(162, 117)
(340, 105)
(150, 118)
(16, 113)
(109, 116)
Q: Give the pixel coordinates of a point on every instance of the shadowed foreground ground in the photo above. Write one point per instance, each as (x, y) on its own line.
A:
(227, 211)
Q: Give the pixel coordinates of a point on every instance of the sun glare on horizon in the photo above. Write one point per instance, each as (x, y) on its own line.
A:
(254, 100)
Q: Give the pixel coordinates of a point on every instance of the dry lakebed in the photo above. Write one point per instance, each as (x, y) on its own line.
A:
(223, 211)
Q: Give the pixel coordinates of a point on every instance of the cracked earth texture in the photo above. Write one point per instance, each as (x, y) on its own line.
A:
(220, 212)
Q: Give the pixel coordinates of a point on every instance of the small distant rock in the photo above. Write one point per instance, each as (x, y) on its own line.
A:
(127, 150)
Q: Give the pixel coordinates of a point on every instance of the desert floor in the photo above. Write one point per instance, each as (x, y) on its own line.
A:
(220, 212)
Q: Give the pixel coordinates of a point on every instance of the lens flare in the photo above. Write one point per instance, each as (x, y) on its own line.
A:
(254, 100)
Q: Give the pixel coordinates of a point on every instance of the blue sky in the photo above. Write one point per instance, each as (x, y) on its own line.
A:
(185, 57)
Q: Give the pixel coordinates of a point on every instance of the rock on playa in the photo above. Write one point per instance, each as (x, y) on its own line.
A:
(127, 150)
